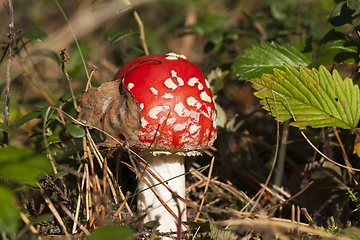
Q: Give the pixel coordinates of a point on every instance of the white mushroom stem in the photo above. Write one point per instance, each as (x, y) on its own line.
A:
(165, 167)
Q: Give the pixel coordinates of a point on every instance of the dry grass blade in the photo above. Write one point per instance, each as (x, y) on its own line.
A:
(110, 178)
(275, 156)
(282, 226)
(293, 197)
(64, 208)
(78, 203)
(326, 157)
(104, 177)
(53, 210)
(87, 191)
(206, 188)
(118, 211)
(346, 159)
(100, 162)
(93, 70)
(142, 33)
(26, 220)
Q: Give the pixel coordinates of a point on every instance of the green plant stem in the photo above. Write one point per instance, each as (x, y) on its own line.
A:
(75, 39)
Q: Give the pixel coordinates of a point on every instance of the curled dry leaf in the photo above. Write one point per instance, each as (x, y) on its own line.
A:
(113, 109)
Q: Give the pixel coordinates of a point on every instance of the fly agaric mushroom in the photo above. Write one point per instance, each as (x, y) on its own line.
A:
(178, 119)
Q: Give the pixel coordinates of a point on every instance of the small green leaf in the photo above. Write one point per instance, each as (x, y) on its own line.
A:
(335, 47)
(150, 224)
(203, 225)
(41, 105)
(9, 215)
(221, 116)
(47, 217)
(66, 98)
(59, 174)
(76, 131)
(28, 117)
(53, 139)
(111, 232)
(353, 4)
(35, 34)
(118, 35)
(314, 97)
(22, 164)
(5, 128)
(262, 58)
(52, 55)
(215, 79)
(50, 113)
(220, 234)
(215, 37)
(47, 53)
(342, 14)
(196, 28)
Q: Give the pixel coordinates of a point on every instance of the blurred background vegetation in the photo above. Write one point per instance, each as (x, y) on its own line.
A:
(212, 34)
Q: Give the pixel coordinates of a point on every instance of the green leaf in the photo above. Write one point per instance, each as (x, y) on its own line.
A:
(28, 117)
(9, 215)
(205, 226)
(35, 34)
(335, 47)
(196, 28)
(54, 56)
(47, 53)
(150, 224)
(5, 128)
(262, 58)
(44, 110)
(59, 174)
(315, 97)
(22, 164)
(112, 232)
(220, 234)
(47, 217)
(53, 139)
(342, 14)
(221, 116)
(353, 4)
(118, 35)
(352, 232)
(215, 36)
(76, 131)
(66, 98)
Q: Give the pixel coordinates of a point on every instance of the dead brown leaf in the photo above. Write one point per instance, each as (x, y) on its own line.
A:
(113, 109)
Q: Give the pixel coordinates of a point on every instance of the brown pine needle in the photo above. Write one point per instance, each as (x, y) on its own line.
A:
(206, 188)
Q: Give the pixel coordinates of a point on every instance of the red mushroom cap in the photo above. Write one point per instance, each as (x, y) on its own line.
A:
(171, 89)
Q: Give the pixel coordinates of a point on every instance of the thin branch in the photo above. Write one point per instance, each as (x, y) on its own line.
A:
(8, 71)
(66, 59)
